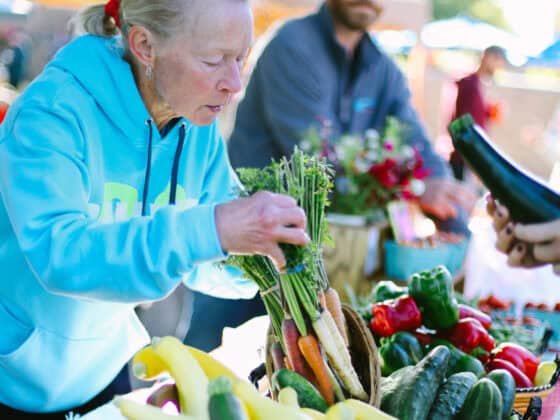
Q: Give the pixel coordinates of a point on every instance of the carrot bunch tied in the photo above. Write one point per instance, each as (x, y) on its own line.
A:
(305, 311)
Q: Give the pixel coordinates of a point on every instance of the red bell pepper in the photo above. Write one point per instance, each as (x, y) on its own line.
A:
(468, 334)
(391, 316)
(424, 338)
(521, 380)
(466, 311)
(518, 356)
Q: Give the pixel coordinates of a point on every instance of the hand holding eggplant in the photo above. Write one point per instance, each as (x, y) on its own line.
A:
(257, 224)
(530, 245)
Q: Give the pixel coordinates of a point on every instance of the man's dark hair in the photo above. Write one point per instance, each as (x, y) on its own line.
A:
(496, 50)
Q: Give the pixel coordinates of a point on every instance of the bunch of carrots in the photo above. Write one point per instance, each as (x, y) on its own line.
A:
(305, 311)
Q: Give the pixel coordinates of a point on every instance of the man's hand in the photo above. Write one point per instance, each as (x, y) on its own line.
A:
(443, 196)
(255, 225)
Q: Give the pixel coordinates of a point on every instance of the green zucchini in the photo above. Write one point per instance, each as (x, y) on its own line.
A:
(410, 392)
(308, 395)
(528, 199)
(222, 403)
(484, 401)
(506, 384)
(451, 396)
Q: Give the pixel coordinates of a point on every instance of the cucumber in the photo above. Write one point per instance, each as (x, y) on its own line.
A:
(528, 199)
(484, 401)
(411, 392)
(451, 396)
(308, 395)
(222, 404)
(506, 384)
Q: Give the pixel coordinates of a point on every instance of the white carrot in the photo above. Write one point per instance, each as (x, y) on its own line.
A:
(338, 354)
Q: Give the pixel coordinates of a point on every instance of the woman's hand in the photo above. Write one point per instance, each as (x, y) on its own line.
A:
(526, 245)
(257, 224)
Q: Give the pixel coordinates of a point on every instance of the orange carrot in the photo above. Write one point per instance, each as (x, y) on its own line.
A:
(291, 335)
(335, 309)
(309, 347)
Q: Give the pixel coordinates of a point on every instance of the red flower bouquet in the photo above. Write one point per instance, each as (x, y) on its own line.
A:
(370, 169)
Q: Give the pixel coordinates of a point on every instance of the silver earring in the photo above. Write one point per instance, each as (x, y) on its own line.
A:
(149, 72)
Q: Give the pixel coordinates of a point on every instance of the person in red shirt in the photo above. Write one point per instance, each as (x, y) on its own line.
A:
(470, 99)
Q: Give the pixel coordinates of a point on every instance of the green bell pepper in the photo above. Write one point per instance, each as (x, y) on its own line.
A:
(433, 292)
(386, 289)
(459, 361)
(399, 350)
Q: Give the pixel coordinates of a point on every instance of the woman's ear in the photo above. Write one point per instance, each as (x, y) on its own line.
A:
(141, 45)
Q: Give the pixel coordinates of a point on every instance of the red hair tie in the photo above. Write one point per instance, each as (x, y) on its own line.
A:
(112, 10)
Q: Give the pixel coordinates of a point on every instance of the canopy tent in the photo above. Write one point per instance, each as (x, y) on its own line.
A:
(464, 32)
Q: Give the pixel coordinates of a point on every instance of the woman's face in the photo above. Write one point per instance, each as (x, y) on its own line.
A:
(198, 71)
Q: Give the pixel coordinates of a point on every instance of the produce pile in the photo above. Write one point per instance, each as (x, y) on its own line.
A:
(439, 357)
(314, 376)
(207, 390)
(311, 341)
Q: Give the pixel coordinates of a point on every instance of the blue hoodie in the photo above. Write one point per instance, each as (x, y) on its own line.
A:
(86, 231)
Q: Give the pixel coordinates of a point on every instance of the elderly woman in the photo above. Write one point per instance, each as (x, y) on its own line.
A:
(116, 187)
(525, 245)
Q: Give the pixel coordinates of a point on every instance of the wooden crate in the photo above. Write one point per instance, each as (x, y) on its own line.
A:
(345, 262)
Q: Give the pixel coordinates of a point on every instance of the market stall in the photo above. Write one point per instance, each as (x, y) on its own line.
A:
(419, 351)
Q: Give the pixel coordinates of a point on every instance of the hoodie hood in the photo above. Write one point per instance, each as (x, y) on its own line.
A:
(110, 81)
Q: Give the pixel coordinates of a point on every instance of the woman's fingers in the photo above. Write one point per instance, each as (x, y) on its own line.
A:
(540, 232)
(517, 255)
(501, 218)
(291, 235)
(258, 224)
(521, 255)
(505, 240)
(547, 252)
(490, 205)
(281, 200)
(292, 217)
(277, 256)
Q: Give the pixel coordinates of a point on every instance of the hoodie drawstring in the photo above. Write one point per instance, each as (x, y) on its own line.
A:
(176, 160)
(174, 169)
(148, 169)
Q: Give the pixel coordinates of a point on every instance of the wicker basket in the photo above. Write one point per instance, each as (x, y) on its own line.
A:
(363, 351)
(523, 395)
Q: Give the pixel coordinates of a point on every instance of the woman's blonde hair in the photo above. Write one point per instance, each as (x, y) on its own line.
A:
(163, 18)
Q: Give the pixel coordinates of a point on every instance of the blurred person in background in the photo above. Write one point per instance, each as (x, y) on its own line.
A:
(327, 67)
(115, 188)
(16, 56)
(471, 100)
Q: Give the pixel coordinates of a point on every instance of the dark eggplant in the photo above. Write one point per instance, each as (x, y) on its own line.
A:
(528, 199)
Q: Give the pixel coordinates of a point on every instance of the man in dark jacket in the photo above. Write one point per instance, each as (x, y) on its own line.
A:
(324, 67)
